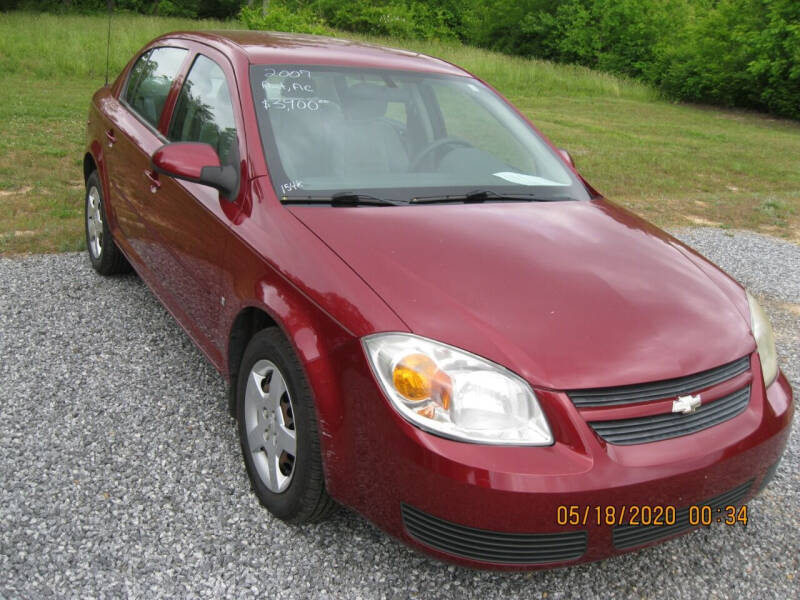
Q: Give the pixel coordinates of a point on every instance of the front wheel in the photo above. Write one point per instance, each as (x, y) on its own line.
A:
(278, 431)
(103, 252)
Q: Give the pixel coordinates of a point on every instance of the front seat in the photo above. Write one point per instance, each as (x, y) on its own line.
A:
(368, 143)
(304, 137)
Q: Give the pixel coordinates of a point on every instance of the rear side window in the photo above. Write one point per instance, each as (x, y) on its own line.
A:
(150, 80)
(204, 111)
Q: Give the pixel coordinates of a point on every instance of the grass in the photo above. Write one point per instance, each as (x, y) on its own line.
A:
(50, 66)
(675, 164)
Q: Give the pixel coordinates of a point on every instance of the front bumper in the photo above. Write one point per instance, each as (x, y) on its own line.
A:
(474, 504)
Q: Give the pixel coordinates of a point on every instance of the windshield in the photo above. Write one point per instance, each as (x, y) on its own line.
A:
(397, 135)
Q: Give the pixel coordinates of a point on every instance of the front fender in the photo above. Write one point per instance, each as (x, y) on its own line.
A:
(324, 349)
(278, 266)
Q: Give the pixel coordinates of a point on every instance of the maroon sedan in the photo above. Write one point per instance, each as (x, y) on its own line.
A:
(425, 313)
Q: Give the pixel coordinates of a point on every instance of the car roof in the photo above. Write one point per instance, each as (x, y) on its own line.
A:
(272, 47)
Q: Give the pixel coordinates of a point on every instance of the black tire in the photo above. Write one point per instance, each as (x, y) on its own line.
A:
(106, 258)
(305, 499)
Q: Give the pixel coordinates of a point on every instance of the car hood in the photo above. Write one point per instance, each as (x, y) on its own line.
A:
(569, 295)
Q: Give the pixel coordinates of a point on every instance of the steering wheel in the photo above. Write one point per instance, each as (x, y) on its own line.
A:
(436, 145)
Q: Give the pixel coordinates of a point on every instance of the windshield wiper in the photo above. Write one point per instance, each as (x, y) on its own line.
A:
(340, 199)
(479, 196)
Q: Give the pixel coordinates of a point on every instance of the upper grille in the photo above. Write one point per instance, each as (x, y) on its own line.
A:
(669, 388)
(492, 546)
(628, 536)
(669, 425)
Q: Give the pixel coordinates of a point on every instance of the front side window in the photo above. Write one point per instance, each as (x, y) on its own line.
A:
(398, 135)
(150, 81)
(204, 111)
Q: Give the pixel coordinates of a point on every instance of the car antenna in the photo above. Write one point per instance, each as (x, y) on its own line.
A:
(110, 4)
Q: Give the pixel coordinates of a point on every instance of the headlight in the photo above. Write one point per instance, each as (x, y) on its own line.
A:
(765, 341)
(456, 394)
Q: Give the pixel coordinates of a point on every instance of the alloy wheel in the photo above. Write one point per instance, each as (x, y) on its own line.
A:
(270, 426)
(94, 222)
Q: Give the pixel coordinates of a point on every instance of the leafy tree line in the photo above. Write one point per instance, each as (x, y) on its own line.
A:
(217, 9)
(742, 53)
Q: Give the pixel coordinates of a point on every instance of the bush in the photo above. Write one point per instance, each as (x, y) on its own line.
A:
(393, 18)
(708, 60)
(776, 66)
(168, 8)
(611, 35)
(280, 17)
(218, 9)
(414, 20)
(742, 53)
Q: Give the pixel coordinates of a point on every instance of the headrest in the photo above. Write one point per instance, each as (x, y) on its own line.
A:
(368, 101)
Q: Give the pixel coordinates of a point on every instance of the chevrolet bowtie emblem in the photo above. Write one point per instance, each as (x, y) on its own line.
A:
(686, 404)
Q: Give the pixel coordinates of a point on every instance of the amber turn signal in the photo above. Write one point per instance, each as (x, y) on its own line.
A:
(412, 377)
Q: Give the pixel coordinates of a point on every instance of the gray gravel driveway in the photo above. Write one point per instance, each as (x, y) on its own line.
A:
(120, 471)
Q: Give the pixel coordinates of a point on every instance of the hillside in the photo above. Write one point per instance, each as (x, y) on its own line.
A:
(675, 164)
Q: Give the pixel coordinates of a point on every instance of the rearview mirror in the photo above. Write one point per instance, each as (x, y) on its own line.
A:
(196, 162)
(567, 157)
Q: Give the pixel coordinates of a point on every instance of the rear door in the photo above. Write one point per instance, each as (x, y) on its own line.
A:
(189, 221)
(132, 135)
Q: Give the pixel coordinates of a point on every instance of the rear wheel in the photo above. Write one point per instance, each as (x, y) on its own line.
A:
(103, 252)
(278, 431)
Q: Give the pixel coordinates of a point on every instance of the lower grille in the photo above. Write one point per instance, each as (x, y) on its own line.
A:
(492, 546)
(653, 428)
(628, 536)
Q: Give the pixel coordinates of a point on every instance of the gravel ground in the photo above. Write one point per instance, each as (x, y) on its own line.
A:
(120, 472)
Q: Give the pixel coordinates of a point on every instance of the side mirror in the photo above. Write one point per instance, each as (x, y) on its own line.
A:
(196, 162)
(567, 157)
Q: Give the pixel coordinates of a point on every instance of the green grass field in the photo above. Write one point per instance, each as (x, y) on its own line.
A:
(674, 164)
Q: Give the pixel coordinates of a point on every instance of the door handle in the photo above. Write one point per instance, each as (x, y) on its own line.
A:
(110, 137)
(155, 184)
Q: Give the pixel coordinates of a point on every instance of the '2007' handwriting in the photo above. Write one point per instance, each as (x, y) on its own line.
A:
(298, 74)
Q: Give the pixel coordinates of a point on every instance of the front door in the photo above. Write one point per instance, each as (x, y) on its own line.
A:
(188, 219)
